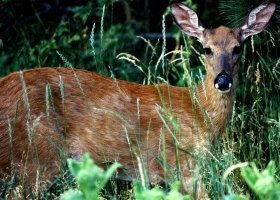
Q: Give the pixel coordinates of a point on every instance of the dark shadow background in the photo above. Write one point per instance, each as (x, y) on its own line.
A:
(32, 31)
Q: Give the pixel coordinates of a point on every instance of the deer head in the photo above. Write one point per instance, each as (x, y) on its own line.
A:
(222, 45)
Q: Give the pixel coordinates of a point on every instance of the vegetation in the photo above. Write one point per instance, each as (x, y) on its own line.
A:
(92, 179)
(134, 41)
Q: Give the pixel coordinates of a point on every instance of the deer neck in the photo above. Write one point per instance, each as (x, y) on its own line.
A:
(218, 107)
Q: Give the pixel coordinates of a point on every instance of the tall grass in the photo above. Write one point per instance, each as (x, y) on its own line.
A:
(251, 136)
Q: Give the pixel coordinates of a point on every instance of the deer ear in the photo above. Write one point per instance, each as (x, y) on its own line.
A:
(187, 20)
(257, 20)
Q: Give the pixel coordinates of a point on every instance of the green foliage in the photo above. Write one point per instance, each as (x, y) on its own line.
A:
(234, 10)
(37, 36)
(234, 197)
(31, 36)
(142, 193)
(73, 195)
(263, 183)
(90, 178)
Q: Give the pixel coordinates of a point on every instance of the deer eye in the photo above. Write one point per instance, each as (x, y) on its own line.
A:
(237, 50)
(207, 51)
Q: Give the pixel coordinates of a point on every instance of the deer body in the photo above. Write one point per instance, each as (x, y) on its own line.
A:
(48, 113)
(89, 117)
(88, 121)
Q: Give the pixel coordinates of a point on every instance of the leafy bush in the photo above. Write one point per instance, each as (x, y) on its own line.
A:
(32, 32)
(142, 193)
(263, 184)
(91, 178)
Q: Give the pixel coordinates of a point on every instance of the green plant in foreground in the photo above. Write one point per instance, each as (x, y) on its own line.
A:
(90, 178)
(156, 193)
(263, 184)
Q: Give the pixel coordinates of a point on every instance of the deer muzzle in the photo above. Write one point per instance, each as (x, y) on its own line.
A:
(223, 82)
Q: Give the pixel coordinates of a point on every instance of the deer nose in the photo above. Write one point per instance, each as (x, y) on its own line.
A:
(223, 82)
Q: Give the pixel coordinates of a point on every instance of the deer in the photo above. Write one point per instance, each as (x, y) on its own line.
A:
(50, 114)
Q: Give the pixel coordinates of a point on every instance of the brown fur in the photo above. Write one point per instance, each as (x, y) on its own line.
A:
(117, 120)
(97, 117)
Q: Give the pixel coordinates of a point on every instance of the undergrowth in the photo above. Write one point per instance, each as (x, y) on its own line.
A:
(100, 43)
